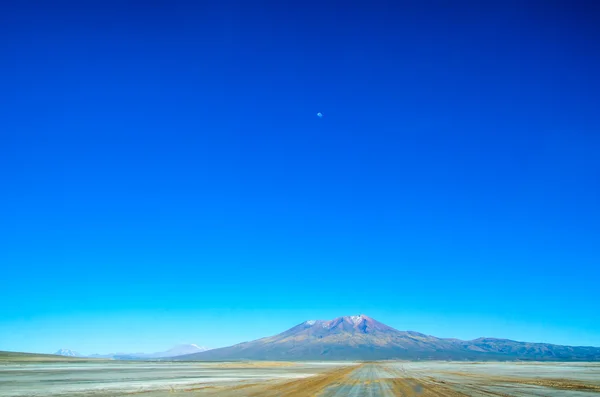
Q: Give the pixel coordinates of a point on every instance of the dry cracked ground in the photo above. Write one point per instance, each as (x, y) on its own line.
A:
(256, 379)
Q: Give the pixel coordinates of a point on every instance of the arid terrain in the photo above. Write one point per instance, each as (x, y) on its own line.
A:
(330, 379)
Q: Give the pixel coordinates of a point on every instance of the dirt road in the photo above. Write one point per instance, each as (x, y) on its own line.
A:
(395, 379)
(364, 380)
(379, 380)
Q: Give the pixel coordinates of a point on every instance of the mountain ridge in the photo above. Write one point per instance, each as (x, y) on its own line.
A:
(177, 350)
(363, 338)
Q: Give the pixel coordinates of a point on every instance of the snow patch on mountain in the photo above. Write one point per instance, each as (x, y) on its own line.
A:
(67, 353)
(356, 319)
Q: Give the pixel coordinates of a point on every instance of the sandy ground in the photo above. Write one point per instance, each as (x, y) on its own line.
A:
(275, 379)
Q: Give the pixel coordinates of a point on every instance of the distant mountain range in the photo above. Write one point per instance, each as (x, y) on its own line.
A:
(173, 352)
(362, 338)
(179, 350)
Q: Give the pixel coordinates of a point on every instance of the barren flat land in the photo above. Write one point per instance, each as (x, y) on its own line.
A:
(327, 379)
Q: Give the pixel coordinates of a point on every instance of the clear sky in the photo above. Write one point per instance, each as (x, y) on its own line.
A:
(164, 177)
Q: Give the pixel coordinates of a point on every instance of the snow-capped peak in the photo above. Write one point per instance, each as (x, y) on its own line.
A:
(67, 353)
(356, 319)
(311, 322)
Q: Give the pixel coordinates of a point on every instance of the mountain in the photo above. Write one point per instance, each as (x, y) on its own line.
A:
(363, 338)
(95, 355)
(68, 353)
(172, 352)
(178, 350)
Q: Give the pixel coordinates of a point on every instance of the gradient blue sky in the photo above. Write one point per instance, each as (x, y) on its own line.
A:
(164, 177)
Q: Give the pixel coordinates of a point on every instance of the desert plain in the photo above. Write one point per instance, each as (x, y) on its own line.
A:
(327, 379)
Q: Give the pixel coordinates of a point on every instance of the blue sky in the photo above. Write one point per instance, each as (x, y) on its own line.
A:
(164, 177)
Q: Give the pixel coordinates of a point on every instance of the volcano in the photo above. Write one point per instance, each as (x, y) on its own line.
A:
(363, 338)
